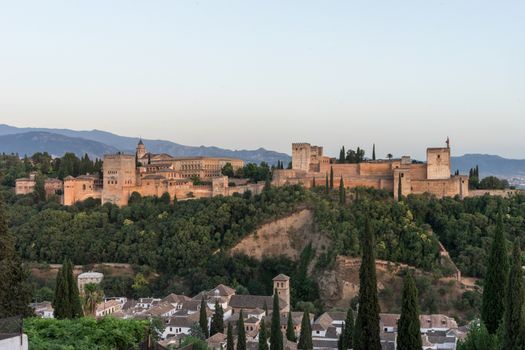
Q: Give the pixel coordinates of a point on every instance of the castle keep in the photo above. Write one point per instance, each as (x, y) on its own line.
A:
(310, 166)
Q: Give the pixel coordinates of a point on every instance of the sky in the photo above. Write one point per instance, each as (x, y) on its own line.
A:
(248, 74)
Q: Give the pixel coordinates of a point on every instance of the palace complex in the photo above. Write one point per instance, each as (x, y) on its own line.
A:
(149, 175)
(400, 176)
(199, 177)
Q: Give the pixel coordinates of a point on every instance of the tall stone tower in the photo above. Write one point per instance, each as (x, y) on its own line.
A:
(119, 178)
(281, 285)
(141, 149)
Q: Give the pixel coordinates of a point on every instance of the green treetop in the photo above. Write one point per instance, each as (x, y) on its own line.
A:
(514, 301)
(305, 338)
(290, 332)
(276, 337)
(241, 333)
(366, 335)
(217, 321)
(408, 327)
(203, 319)
(492, 307)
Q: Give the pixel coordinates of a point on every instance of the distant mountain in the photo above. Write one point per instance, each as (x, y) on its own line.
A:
(55, 144)
(489, 165)
(115, 142)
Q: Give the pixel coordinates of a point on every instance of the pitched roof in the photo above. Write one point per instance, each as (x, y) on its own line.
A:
(281, 277)
(175, 298)
(254, 302)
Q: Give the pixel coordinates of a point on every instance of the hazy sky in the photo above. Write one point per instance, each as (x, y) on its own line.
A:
(249, 74)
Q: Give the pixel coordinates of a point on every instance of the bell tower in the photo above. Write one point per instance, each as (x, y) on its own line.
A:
(281, 286)
(141, 149)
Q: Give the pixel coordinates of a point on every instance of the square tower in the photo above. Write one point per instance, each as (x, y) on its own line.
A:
(438, 163)
(301, 156)
(281, 285)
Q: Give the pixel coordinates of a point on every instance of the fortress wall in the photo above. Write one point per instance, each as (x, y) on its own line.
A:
(440, 188)
(77, 190)
(344, 170)
(418, 171)
(376, 169)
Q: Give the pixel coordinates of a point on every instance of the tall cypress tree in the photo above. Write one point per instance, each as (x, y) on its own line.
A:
(342, 155)
(61, 298)
(313, 182)
(341, 341)
(514, 317)
(276, 337)
(374, 152)
(75, 303)
(15, 290)
(342, 192)
(229, 338)
(305, 338)
(327, 185)
(408, 327)
(492, 307)
(349, 328)
(399, 191)
(217, 321)
(241, 333)
(331, 177)
(263, 337)
(290, 332)
(366, 335)
(203, 319)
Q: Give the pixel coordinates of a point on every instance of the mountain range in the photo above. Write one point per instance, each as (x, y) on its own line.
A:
(96, 143)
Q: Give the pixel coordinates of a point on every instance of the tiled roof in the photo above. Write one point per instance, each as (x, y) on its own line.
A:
(281, 277)
(254, 302)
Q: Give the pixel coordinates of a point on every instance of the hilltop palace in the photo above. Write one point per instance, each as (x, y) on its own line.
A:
(310, 166)
(155, 174)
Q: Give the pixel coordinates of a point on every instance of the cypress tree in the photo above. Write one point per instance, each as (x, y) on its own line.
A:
(266, 309)
(374, 152)
(409, 330)
(514, 316)
(203, 319)
(290, 332)
(342, 155)
(349, 328)
(331, 177)
(313, 182)
(342, 192)
(399, 191)
(276, 337)
(263, 337)
(492, 307)
(305, 338)
(15, 290)
(341, 344)
(217, 321)
(229, 338)
(366, 335)
(74, 298)
(61, 299)
(241, 333)
(327, 186)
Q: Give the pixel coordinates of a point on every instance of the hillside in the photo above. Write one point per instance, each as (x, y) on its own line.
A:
(128, 144)
(489, 165)
(289, 235)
